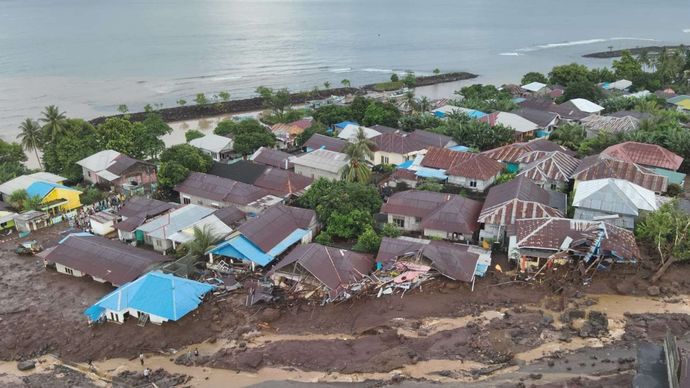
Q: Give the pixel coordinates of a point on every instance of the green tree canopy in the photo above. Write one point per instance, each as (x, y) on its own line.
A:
(533, 76)
(31, 137)
(188, 156)
(381, 113)
(627, 67)
(368, 241)
(79, 140)
(582, 89)
(349, 225)
(332, 114)
(278, 101)
(328, 197)
(474, 133)
(316, 127)
(567, 74)
(569, 135)
(193, 134)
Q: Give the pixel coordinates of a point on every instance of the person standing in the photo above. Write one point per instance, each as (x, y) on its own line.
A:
(141, 358)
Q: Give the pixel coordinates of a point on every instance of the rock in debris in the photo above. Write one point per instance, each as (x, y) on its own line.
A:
(270, 315)
(26, 365)
(653, 291)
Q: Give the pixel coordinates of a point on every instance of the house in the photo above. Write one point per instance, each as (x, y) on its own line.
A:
(547, 121)
(31, 220)
(457, 262)
(55, 198)
(350, 131)
(104, 260)
(262, 239)
(157, 232)
(383, 129)
(524, 129)
(276, 181)
(137, 210)
(7, 219)
(631, 113)
(510, 154)
(272, 157)
(647, 155)
(616, 201)
(603, 166)
(216, 192)
(24, 181)
(287, 132)
(594, 124)
(475, 173)
(402, 175)
(395, 148)
(514, 200)
(537, 88)
(321, 163)
(157, 297)
(535, 241)
(680, 102)
(441, 215)
(219, 229)
(312, 267)
(432, 139)
(566, 112)
(549, 170)
(620, 85)
(318, 141)
(103, 223)
(120, 172)
(219, 147)
(445, 110)
(583, 105)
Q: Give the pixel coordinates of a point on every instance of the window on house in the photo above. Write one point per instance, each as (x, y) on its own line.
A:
(157, 243)
(473, 183)
(399, 222)
(384, 159)
(186, 200)
(200, 202)
(69, 271)
(553, 186)
(417, 219)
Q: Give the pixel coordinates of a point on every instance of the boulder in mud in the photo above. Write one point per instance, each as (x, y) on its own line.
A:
(26, 365)
(270, 315)
(653, 291)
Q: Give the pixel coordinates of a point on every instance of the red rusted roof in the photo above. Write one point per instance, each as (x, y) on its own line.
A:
(645, 154)
(602, 166)
(551, 166)
(276, 223)
(397, 143)
(512, 152)
(517, 199)
(439, 211)
(479, 167)
(281, 182)
(443, 158)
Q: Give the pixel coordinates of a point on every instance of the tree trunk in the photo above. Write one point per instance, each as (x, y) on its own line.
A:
(662, 270)
(39, 159)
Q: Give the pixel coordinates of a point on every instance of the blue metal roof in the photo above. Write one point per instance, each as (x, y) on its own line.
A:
(459, 148)
(344, 124)
(439, 114)
(41, 189)
(155, 293)
(241, 248)
(292, 238)
(406, 164)
(475, 114)
(426, 172)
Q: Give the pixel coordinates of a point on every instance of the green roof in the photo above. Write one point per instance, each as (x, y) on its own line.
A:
(673, 176)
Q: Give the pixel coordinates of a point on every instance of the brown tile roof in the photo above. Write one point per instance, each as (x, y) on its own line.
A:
(439, 211)
(272, 157)
(334, 268)
(566, 110)
(330, 143)
(443, 158)
(384, 129)
(220, 189)
(403, 173)
(138, 209)
(397, 143)
(645, 154)
(230, 215)
(537, 116)
(112, 260)
(303, 123)
(551, 166)
(511, 153)
(282, 183)
(479, 167)
(602, 166)
(276, 223)
(550, 234)
(517, 199)
(431, 139)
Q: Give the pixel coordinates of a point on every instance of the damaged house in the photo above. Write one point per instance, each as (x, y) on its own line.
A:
(534, 241)
(317, 269)
(135, 212)
(441, 215)
(270, 234)
(409, 259)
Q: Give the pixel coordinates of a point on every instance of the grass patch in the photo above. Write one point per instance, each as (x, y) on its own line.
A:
(388, 86)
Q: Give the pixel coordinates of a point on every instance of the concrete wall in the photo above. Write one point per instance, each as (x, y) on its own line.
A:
(392, 158)
(316, 173)
(411, 223)
(196, 200)
(64, 269)
(624, 221)
(446, 235)
(465, 182)
(102, 229)
(491, 231)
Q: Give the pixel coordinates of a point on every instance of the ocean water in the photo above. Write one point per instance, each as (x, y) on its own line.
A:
(89, 56)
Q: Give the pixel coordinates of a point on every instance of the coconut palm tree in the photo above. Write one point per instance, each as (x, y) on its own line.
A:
(345, 83)
(30, 137)
(204, 239)
(646, 106)
(54, 122)
(424, 105)
(17, 199)
(410, 101)
(326, 85)
(360, 153)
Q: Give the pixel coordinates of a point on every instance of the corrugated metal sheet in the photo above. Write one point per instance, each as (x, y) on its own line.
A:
(553, 166)
(517, 199)
(645, 154)
(602, 167)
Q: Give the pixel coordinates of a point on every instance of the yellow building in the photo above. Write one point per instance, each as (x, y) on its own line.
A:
(55, 198)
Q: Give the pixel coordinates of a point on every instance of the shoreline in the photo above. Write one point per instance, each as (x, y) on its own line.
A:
(634, 51)
(192, 112)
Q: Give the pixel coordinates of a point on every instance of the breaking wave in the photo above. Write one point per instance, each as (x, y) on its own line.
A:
(341, 70)
(510, 54)
(578, 43)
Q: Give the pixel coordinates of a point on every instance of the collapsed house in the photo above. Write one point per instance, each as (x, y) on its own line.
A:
(82, 254)
(314, 269)
(406, 262)
(538, 241)
(156, 297)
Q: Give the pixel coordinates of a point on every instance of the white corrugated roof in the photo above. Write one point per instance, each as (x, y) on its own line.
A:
(516, 122)
(168, 224)
(24, 181)
(614, 196)
(350, 132)
(213, 223)
(321, 159)
(620, 84)
(534, 86)
(100, 160)
(586, 105)
(213, 143)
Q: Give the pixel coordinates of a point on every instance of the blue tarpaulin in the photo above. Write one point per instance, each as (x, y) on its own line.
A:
(41, 189)
(425, 172)
(406, 164)
(241, 248)
(459, 148)
(155, 293)
(343, 124)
